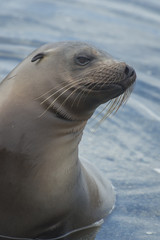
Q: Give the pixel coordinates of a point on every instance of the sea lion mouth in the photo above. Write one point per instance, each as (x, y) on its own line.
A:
(103, 86)
(105, 79)
(98, 87)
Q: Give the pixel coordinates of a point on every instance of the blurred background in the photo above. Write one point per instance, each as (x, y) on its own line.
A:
(125, 146)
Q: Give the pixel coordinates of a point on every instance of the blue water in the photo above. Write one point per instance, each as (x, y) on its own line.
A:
(126, 146)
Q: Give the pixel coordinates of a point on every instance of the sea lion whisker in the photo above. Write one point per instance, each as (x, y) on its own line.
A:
(53, 102)
(107, 114)
(91, 89)
(45, 93)
(112, 106)
(120, 101)
(70, 84)
(80, 94)
(67, 98)
(94, 86)
(116, 104)
(128, 93)
(103, 109)
(52, 90)
(124, 98)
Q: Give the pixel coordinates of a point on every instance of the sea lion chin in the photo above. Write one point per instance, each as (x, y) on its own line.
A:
(45, 102)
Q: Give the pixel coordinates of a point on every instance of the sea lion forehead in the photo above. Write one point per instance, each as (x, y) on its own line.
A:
(72, 48)
(69, 52)
(81, 48)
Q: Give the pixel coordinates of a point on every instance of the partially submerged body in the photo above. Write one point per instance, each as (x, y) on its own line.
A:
(45, 102)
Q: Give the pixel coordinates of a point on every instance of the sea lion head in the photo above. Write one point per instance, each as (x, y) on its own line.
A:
(80, 78)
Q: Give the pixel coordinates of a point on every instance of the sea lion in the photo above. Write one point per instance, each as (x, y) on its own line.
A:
(45, 102)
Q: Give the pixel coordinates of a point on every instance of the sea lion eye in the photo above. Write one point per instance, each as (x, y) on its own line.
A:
(81, 60)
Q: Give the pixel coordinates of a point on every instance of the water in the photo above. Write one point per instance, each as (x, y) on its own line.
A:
(127, 146)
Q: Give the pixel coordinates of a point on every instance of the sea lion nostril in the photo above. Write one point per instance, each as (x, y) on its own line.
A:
(132, 73)
(126, 70)
(129, 71)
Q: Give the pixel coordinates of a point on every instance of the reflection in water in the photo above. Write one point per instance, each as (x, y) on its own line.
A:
(85, 233)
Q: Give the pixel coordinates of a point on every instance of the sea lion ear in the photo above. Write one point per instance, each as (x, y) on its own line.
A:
(41, 55)
(38, 56)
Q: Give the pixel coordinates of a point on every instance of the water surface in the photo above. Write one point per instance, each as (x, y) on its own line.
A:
(127, 146)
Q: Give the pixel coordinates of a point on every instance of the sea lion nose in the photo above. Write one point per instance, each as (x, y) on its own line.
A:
(129, 71)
